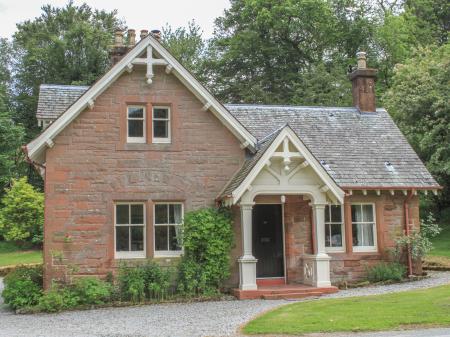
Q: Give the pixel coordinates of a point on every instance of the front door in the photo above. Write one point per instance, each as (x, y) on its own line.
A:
(268, 240)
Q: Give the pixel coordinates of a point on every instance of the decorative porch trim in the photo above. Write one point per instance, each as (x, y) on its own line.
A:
(286, 135)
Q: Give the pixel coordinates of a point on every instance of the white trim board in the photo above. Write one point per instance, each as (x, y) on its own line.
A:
(37, 147)
(287, 132)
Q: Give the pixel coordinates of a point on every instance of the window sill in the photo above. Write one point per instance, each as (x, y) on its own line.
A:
(161, 141)
(168, 147)
(369, 249)
(167, 254)
(129, 255)
(335, 250)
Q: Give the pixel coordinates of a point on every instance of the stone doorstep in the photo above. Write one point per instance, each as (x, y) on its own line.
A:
(288, 291)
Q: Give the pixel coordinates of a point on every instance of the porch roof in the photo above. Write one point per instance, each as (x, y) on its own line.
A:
(356, 149)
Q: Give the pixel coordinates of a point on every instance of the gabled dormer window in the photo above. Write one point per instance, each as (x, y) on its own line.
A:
(136, 124)
(161, 124)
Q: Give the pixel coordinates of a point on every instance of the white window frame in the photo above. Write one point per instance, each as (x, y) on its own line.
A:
(159, 140)
(365, 249)
(130, 254)
(143, 119)
(166, 253)
(341, 248)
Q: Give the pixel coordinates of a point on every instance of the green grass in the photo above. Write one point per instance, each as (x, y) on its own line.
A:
(10, 255)
(441, 243)
(430, 307)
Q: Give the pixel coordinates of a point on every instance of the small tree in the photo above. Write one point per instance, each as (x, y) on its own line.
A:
(22, 213)
(207, 238)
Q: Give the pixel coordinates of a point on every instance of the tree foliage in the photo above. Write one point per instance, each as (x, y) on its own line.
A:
(22, 213)
(419, 101)
(67, 45)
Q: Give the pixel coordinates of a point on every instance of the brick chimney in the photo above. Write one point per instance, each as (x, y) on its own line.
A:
(118, 50)
(363, 85)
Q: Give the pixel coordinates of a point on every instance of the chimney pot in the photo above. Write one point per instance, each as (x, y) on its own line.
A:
(156, 34)
(144, 33)
(118, 38)
(131, 37)
(361, 56)
(363, 85)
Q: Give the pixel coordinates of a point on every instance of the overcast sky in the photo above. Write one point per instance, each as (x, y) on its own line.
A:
(138, 14)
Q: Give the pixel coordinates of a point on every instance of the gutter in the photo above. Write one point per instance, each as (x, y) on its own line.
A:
(407, 231)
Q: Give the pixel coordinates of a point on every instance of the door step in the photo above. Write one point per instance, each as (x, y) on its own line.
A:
(283, 292)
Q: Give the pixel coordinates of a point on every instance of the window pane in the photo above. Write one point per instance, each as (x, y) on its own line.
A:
(161, 129)
(135, 128)
(135, 112)
(137, 238)
(327, 236)
(356, 213)
(336, 235)
(137, 214)
(161, 214)
(122, 214)
(161, 238)
(367, 213)
(174, 213)
(161, 113)
(122, 238)
(327, 213)
(336, 213)
(174, 237)
(367, 236)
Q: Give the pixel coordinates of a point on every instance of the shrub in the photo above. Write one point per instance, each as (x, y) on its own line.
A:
(207, 238)
(91, 290)
(136, 283)
(22, 213)
(23, 287)
(418, 242)
(58, 298)
(386, 272)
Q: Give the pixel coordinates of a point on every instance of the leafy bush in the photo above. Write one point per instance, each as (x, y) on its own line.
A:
(386, 272)
(419, 242)
(57, 299)
(22, 213)
(91, 290)
(147, 281)
(207, 238)
(23, 287)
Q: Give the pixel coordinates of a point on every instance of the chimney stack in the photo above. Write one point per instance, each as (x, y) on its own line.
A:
(144, 33)
(363, 85)
(119, 49)
(156, 34)
(131, 38)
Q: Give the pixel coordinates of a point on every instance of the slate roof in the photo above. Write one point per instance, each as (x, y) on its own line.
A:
(54, 99)
(356, 149)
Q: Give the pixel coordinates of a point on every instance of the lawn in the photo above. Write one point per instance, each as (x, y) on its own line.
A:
(430, 307)
(441, 243)
(12, 255)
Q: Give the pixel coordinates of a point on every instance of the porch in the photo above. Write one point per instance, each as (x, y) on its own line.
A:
(291, 250)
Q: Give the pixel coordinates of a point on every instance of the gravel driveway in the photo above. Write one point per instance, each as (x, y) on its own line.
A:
(184, 320)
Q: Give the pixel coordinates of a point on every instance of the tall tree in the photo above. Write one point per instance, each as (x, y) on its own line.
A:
(66, 45)
(187, 45)
(268, 52)
(419, 101)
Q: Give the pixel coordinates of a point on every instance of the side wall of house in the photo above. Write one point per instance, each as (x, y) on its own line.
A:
(91, 167)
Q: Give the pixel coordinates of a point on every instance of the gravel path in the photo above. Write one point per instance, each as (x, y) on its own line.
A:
(184, 320)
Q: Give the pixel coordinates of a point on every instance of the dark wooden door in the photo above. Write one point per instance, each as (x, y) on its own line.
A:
(268, 240)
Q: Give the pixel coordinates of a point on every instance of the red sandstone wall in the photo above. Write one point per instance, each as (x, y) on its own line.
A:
(90, 167)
